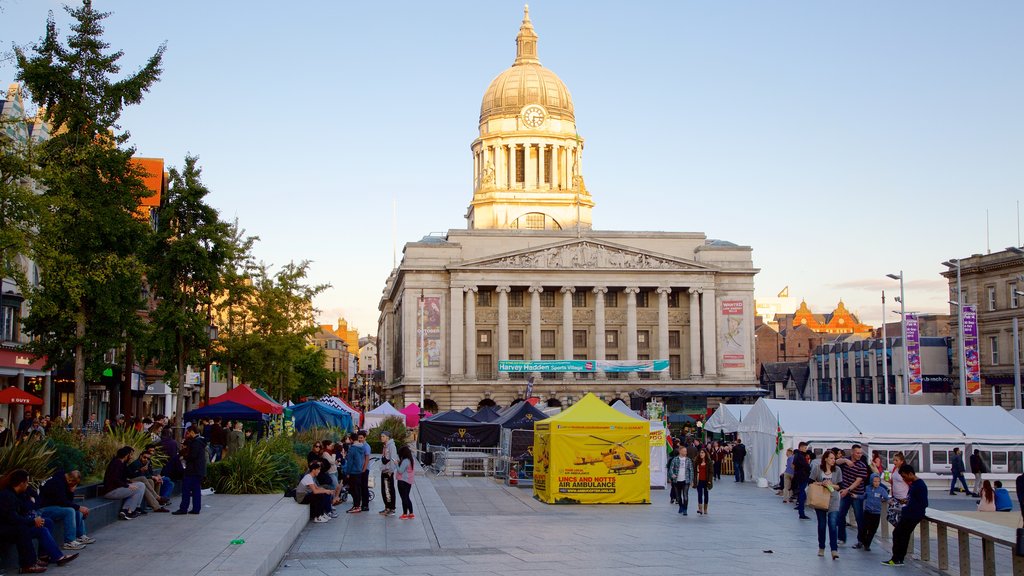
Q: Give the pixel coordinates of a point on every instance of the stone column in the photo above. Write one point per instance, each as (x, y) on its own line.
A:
(599, 329)
(631, 292)
(709, 306)
(695, 371)
(456, 355)
(503, 327)
(535, 291)
(540, 167)
(512, 165)
(663, 293)
(530, 169)
(567, 347)
(470, 332)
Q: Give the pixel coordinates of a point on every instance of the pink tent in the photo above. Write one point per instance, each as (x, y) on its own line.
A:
(412, 415)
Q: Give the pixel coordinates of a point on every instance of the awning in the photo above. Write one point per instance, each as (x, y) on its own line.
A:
(701, 392)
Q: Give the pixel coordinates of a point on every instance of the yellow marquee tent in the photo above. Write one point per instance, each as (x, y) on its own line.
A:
(591, 454)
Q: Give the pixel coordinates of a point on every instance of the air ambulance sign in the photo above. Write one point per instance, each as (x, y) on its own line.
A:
(596, 464)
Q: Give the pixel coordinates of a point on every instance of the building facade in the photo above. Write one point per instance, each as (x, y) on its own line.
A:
(990, 283)
(531, 279)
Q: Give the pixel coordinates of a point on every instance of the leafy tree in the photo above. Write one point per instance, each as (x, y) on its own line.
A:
(231, 307)
(314, 378)
(20, 206)
(279, 324)
(186, 271)
(88, 247)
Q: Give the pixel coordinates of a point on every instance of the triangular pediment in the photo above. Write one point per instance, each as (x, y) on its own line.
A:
(588, 254)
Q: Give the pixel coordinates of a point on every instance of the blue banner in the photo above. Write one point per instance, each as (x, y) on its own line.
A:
(582, 365)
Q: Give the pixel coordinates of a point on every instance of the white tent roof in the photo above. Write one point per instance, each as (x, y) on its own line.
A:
(881, 424)
(385, 409)
(1018, 413)
(981, 423)
(727, 417)
(800, 420)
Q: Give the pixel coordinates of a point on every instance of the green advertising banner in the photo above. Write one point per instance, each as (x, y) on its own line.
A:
(582, 365)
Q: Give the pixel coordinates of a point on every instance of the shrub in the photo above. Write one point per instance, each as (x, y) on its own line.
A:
(68, 458)
(33, 455)
(262, 467)
(100, 448)
(310, 435)
(393, 424)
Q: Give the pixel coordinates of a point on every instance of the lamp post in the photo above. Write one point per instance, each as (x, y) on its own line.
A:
(885, 355)
(211, 335)
(959, 303)
(903, 329)
(423, 349)
(1016, 340)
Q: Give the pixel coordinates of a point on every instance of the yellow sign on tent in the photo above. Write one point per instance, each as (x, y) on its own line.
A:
(591, 454)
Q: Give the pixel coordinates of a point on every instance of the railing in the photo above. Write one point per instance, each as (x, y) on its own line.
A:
(990, 535)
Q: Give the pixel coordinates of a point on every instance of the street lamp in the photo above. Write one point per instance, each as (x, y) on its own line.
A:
(211, 335)
(885, 355)
(959, 303)
(903, 328)
(1016, 340)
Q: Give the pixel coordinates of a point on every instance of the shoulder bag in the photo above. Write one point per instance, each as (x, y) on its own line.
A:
(818, 496)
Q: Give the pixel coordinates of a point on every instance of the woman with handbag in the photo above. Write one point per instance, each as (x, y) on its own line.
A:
(704, 475)
(826, 477)
(900, 489)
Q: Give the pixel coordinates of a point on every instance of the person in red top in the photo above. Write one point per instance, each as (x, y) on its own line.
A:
(705, 471)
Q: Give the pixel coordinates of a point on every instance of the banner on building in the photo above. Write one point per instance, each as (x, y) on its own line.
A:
(428, 320)
(971, 353)
(915, 382)
(582, 365)
(734, 334)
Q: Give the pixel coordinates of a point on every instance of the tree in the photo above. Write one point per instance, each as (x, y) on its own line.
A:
(20, 206)
(279, 324)
(186, 271)
(89, 247)
(314, 378)
(231, 307)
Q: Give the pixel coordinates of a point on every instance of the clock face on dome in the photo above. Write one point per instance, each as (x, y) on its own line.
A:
(533, 115)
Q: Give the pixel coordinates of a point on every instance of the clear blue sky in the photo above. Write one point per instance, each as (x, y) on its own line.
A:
(841, 140)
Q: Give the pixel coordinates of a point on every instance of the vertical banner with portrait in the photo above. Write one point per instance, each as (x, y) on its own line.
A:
(972, 355)
(915, 382)
(733, 330)
(428, 319)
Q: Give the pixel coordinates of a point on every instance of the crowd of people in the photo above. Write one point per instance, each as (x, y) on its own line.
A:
(339, 470)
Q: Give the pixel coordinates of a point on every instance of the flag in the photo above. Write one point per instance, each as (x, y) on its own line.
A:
(778, 435)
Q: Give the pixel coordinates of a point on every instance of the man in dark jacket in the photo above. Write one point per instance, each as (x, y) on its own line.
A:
(19, 525)
(739, 454)
(1020, 494)
(978, 468)
(910, 516)
(195, 457)
(215, 434)
(57, 500)
(958, 473)
(117, 487)
(801, 474)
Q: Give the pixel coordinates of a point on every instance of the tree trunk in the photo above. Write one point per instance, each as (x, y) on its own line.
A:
(180, 403)
(231, 377)
(79, 410)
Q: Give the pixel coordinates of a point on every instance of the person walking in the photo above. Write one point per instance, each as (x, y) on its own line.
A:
(739, 455)
(717, 454)
(910, 517)
(388, 466)
(196, 457)
(958, 474)
(801, 475)
(682, 474)
(703, 468)
(855, 480)
(828, 475)
(875, 494)
(406, 478)
(978, 469)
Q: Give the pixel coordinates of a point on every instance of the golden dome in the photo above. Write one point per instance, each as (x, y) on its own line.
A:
(526, 82)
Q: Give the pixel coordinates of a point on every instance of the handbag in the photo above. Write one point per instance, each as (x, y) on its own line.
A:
(894, 513)
(818, 496)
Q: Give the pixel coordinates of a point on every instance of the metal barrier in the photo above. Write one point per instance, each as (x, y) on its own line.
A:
(441, 460)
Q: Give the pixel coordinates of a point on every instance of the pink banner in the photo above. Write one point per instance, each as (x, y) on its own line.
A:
(914, 380)
(971, 352)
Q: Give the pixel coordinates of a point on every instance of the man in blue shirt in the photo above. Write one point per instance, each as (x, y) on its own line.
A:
(354, 465)
(1003, 502)
(910, 517)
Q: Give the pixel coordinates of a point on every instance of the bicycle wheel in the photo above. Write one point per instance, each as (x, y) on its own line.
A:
(371, 495)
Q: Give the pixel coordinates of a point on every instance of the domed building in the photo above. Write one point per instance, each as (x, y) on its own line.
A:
(530, 299)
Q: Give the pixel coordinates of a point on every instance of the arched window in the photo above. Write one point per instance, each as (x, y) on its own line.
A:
(536, 221)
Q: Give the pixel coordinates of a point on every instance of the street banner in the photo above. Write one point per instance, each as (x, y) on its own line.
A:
(914, 379)
(971, 352)
(734, 332)
(582, 365)
(428, 319)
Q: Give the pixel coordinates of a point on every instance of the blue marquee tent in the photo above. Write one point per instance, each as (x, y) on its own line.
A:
(317, 414)
(227, 409)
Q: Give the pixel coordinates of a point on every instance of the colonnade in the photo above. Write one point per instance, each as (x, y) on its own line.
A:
(502, 158)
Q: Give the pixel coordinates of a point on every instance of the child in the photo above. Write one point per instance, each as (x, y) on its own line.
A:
(874, 495)
(1003, 502)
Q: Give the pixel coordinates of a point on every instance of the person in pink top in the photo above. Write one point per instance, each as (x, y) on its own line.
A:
(406, 477)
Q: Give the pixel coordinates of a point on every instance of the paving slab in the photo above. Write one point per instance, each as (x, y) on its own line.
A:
(478, 526)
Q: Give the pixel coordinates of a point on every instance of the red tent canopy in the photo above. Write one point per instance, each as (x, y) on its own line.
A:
(15, 395)
(248, 397)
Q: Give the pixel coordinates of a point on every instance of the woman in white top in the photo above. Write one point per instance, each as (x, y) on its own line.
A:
(900, 489)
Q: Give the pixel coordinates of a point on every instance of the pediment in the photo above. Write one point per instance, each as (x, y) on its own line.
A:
(584, 255)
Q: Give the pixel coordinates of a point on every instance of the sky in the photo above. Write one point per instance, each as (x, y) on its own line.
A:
(840, 140)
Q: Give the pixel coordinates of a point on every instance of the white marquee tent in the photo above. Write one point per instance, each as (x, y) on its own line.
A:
(377, 415)
(1018, 413)
(878, 426)
(727, 418)
(658, 453)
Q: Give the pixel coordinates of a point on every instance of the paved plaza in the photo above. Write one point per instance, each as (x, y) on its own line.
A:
(476, 526)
